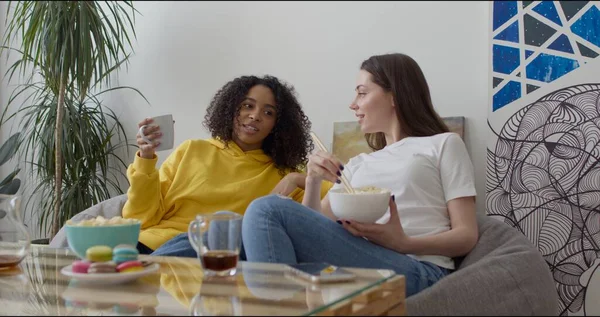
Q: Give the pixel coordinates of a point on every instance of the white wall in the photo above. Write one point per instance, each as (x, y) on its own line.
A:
(186, 51)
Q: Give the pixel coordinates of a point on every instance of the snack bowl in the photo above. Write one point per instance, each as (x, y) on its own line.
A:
(82, 236)
(366, 204)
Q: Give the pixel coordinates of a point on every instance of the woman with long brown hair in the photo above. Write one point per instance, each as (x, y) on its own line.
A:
(431, 216)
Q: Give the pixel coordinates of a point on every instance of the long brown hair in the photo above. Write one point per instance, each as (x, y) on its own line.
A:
(401, 75)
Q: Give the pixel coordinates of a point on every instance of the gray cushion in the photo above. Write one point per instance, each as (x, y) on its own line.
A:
(503, 275)
(107, 209)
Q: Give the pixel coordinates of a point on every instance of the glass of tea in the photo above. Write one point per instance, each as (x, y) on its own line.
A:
(217, 238)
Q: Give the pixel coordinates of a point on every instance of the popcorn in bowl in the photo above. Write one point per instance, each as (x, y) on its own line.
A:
(82, 235)
(101, 221)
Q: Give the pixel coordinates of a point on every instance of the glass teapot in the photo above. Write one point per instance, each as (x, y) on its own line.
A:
(14, 239)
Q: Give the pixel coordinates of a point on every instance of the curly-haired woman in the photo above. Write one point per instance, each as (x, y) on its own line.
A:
(260, 140)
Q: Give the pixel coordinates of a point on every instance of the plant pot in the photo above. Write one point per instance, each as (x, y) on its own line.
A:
(41, 241)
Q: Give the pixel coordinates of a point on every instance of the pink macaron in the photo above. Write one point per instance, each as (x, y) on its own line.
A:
(80, 266)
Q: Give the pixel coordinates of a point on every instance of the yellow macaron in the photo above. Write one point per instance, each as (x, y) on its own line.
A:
(99, 253)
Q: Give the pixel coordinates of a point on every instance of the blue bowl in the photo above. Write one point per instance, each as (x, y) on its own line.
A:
(81, 238)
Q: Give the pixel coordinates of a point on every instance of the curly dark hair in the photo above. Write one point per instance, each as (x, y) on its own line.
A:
(288, 144)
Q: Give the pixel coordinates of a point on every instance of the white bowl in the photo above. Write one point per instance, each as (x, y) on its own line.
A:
(361, 207)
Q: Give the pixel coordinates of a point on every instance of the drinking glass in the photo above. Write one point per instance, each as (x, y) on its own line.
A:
(217, 238)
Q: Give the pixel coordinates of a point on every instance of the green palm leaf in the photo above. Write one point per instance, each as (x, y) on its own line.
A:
(69, 140)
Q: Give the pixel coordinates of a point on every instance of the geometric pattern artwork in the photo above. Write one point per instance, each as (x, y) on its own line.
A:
(543, 178)
(562, 44)
(509, 93)
(536, 31)
(548, 10)
(547, 67)
(570, 8)
(588, 26)
(537, 42)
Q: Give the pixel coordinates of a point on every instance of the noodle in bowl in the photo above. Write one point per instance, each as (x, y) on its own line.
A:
(366, 204)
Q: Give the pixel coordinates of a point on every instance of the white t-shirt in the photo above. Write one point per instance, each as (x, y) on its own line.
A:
(423, 173)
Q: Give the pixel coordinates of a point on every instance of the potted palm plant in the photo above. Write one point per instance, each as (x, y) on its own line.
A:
(71, 142)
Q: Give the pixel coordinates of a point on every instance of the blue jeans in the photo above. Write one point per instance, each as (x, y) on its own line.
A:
(180, 245)
(280, 230)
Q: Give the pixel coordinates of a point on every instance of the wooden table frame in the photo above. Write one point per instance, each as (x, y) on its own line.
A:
(388, 299)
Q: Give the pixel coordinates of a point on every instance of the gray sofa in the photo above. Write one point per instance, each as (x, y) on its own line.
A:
(503, 275)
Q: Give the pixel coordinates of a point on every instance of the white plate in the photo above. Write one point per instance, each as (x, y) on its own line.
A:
(108, 278)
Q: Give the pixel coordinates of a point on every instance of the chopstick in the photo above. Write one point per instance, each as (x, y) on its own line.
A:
(322, 147)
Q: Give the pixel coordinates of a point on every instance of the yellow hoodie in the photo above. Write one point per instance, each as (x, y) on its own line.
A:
(199, 177)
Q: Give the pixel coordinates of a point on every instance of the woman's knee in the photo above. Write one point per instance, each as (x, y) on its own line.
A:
(264, 206)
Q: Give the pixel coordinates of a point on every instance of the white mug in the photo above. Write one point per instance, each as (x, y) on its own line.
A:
(166, 128)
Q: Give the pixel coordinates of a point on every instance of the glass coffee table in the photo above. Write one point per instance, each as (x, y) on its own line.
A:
(176, 286)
